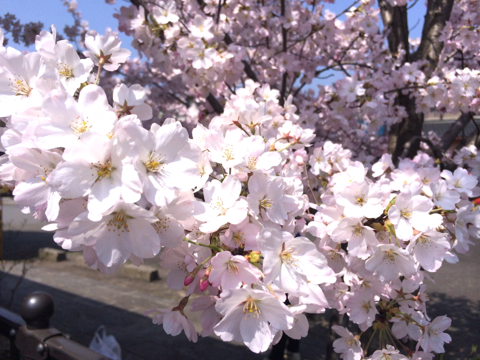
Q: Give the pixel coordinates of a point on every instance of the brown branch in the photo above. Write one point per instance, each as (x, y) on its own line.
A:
(183, 102)
(396, 24)
(247, 68)
(449, 137)
(437, 15)
(217, 107)
(283, 90)
(217, 20)
(346, 10)
(436, 152)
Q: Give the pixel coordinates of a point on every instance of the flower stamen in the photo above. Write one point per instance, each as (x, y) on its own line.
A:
(251, 308)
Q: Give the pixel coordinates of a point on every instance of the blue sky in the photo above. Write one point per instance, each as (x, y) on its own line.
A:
(96, 12)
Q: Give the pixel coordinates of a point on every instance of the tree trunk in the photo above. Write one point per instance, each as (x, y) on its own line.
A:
(395, 22)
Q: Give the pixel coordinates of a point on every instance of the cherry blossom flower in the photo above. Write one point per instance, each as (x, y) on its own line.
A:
(361, 200)
(20, 84)
(412, 211)
(348, 345)
(443, 197)
(241, 235)
(231, 271)
(36, 191)
(460, 180)
(361, 239)
(210, 317)
(124, 230)
(300, 323)
(350, 88)
(105, 50)
(104, 177)
(388, 261)
(434, 337)
(165, 13)
(174, 322)
(267, 198)
(67, 119)
(71, 70)
(169, 217)
(389, 352)
(382, 165)
(174, 259)
(200, 27)
(361, 308)
(293, 261)
(429, 249)
(131, 100)
(164, 159)
(229, 150)
(248, 316)
(257, 156)
(222, 205)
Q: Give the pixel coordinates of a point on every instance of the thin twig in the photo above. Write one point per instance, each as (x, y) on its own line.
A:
(217, 20)
(345, 11)
(217, 107)
(476, 126)
(309, 185)
(284, 49)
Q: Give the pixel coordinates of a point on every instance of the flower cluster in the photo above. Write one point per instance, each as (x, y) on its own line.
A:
(255, 208)
(202, 49)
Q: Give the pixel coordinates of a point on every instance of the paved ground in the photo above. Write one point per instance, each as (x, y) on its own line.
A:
(86, 299)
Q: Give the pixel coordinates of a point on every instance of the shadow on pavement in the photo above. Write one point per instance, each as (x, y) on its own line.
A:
(465, 329)
(19, 245)
(138, 337)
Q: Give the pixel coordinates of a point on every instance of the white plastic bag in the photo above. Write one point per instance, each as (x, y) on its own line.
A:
(105, 344)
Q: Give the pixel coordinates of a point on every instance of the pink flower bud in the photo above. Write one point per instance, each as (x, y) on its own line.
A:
(203, 283)
(207, 272)
(188, 280)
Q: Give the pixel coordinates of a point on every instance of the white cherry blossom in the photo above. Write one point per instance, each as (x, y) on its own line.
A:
(222, 204)
(348, 345)
(71, 70)
(412, 211)
(434, 338)
(230, 272)
(124, 230)
(389, 261)
(248, 317)
(105, 50)
(292, 262)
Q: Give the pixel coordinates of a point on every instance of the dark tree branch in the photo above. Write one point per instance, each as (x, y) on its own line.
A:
(476, 128)
(395, 22)
(217, 107)
(449, 137)
(283, 90)
(436, 152)
(217, 20)
(171, 94)
(438, 13)
(248, 70)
